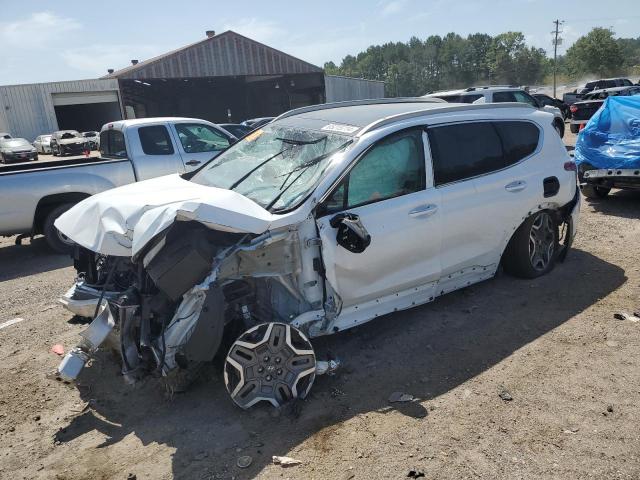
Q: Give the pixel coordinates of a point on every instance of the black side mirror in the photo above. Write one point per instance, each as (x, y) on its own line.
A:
(351, 233)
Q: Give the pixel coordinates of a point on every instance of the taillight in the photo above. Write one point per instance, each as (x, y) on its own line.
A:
(570, 166)
(573, 109)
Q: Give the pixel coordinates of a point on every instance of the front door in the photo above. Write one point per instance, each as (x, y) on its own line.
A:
(390, 194)
(199, 143)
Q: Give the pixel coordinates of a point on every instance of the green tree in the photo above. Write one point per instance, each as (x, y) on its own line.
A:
(595, 53)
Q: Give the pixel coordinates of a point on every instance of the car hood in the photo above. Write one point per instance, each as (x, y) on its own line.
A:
(123, 220)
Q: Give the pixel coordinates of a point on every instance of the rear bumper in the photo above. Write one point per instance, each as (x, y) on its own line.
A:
(627, 178)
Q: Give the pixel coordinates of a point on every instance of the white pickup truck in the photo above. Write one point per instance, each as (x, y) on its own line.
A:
(33, 195)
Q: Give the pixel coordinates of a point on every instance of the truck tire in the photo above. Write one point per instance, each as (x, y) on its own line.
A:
(574, 127)
(55, 239)
(594, 191)
(533, 248)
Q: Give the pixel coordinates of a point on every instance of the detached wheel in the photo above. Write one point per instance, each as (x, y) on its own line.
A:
(272, 362)
(593, 191)
(531, 252)
(56, 240)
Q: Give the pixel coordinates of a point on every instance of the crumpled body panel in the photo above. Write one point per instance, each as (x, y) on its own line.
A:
(121, 221)
(611, 139)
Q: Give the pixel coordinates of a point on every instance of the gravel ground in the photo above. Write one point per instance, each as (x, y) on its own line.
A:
(572, 372)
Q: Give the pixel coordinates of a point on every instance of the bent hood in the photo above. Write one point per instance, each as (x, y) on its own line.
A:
(123, 220)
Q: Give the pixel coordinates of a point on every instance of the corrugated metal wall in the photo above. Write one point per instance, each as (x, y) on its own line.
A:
(224, 55)
(340, 89)
(27, 110)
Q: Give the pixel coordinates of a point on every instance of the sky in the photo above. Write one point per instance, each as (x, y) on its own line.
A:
(43, 41)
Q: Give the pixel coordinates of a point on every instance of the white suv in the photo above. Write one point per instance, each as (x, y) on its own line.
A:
(500, 94)
(324, 219)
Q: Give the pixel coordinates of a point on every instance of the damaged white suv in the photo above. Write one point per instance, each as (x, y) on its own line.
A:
(326, 218)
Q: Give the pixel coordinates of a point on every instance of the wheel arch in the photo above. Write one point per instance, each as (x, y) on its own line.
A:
(49, 202)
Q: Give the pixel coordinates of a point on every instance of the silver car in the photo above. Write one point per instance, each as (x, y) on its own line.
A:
(42, 143)
(15, 150)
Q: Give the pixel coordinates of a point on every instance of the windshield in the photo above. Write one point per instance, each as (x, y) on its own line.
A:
(67, 135)
(16, 142)
(276, 167)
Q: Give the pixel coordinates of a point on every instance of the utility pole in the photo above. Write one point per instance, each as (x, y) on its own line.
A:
(556, 41)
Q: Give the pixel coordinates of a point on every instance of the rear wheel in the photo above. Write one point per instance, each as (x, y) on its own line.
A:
(55, 238)
(594, 191)
(272, 362)
(531, 252)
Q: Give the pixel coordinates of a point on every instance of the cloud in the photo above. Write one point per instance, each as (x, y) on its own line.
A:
(392, 8)
(40, 30)
(96, 59)
(262, 30)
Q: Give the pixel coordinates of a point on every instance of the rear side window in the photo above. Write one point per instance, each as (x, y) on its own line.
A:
(112, 144)
(155, 140)
(499, 97)
(467, 150)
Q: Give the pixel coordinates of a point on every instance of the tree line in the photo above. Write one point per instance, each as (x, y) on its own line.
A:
(452, 61)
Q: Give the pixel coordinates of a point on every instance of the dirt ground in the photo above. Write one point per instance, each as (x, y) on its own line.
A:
(571, 368)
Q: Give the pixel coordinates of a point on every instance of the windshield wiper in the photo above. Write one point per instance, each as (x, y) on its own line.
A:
(293, 141)
(303, 168)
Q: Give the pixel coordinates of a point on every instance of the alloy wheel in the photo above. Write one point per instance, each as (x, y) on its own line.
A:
(542, 241)
(272, 362)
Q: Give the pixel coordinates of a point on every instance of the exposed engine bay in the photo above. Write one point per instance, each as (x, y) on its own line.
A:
(192, 288)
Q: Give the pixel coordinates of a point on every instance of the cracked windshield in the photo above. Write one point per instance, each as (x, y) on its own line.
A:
(276, 167)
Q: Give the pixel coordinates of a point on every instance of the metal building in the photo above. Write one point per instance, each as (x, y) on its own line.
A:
(221, 78)
(31, 110)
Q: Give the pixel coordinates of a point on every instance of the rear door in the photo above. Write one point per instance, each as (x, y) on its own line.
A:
(153, 152)
(198, 143)
(389, 190)
(486, 187)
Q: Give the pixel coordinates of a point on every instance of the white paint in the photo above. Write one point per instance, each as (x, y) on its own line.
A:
(8, 323)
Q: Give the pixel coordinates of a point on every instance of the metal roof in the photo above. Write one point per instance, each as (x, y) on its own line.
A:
(226, 54)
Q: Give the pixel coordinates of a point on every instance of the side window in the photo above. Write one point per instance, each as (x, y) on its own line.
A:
(112, 144)
(525, 98)
(155, 140)
(392, 167)
(464, 150)
(519, 140)
(198, 138)
(499, 97)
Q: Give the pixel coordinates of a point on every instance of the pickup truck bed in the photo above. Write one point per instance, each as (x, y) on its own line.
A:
(31, 192)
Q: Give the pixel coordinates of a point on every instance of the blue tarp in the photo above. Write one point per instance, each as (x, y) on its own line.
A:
(611, 139)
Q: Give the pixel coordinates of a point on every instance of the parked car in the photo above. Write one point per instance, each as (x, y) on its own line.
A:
(582, 111)
(93, 138)
(17, 150)
(545, 100)
(236, 129)
(607, 152)
(42, 143)
(64, 142)
(578, 94)
(5, 136)
(256, 123)
(500, 94)
(328, 217)
(33, 196)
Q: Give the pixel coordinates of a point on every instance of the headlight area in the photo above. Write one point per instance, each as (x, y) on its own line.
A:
(169, 308)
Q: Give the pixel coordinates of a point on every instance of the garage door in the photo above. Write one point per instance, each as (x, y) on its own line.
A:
(60, 99)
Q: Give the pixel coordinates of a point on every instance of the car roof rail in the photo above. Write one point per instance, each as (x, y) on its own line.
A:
(484, 87)
(353, 103)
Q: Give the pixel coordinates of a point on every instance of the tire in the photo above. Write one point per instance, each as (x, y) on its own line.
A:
(54, 238)
(519, 260)
(559, 126)
(4, 159)
(593, 191)
(35, 159)
(53, 151)
(574, 127)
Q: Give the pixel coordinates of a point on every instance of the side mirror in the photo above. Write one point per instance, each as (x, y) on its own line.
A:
(351, 233)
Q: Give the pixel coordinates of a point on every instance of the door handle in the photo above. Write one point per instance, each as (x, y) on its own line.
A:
(516, 186)
(193, 163)
(424, 210)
